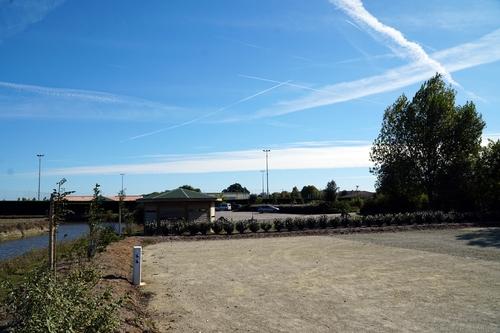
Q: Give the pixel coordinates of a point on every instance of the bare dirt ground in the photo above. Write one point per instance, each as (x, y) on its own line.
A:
(430, 281)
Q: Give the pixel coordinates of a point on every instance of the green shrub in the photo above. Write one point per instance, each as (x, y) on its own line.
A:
(344, 222)
(228, 227)
(289, 224)
(300, 223)
(218, 225)
(241, 226)
(204, 227)
(334, 222)
(278, 225)
(253, 225)
(311, 223)
(323, 221)
(72, 303)
(266, 226)
(192, 227)
(355, 222)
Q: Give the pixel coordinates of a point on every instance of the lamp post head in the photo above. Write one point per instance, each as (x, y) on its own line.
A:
(40, 155)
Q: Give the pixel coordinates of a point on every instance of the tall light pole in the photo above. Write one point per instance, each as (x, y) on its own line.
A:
(262, 172)
(267, 169)
(39, 172)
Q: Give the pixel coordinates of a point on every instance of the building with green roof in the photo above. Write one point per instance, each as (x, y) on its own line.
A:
(178, 204)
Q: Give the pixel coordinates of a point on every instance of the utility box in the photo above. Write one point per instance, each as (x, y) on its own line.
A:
(137, 265)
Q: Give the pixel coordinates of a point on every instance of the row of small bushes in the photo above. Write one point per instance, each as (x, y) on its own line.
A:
(223, 225)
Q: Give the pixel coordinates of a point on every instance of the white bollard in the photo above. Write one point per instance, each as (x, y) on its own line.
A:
(137, 265)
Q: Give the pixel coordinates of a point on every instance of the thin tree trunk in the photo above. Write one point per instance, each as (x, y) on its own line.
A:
(51, 235)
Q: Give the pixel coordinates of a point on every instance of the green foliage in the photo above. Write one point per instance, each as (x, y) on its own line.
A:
(289, 224)
(204, 227)
(323, 221)
(266, 226)
(94, 221)
(334, 222)
(228, 227)
(300, 223)
(488, 177)
(190, 188)
(218, 225)
(428, 146)
(193, 228)
(330, 191)
(70, 303)
(278, 224)
(311, 223)
(253, 225)
(237, 188)
(295, 196)
(241, 226)
(310, 193)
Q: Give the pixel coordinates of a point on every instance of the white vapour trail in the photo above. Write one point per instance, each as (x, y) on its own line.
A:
(208, 114)
(482, 51)
(356, 10)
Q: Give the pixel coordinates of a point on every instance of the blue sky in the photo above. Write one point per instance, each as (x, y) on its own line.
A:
(190, 92)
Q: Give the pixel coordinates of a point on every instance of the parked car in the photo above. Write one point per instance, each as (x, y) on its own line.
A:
(223, 207)
(268, 209)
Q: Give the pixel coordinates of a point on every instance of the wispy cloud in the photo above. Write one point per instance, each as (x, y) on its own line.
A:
(17, 15)
(194, 120)
(307, 156)
(394, 38)
(482, 51)
(34, 101)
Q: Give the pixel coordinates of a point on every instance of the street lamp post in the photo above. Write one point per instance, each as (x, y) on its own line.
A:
(39, 172)
(262, 172)
(267, 169)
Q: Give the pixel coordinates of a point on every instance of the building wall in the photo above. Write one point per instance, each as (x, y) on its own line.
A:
(191, 211)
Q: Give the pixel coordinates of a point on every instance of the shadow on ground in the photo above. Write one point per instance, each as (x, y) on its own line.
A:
(483, 238)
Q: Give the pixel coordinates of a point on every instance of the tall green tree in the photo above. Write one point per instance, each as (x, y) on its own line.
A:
(427, 147)
(236, 188)
(488, 177)
(310, 192)
(96, 213)
(330, 191)
(295, 195)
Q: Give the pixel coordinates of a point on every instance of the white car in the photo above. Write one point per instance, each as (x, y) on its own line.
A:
(223, 207)
(268, 209)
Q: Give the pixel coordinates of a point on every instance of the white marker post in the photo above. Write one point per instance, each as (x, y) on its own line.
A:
(137, 265)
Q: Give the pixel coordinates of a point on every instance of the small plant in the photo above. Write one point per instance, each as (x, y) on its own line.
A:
(253, 225)
(344, 221)
(266, 226)
(311, 223)
(289, 224)
(192, 227)
(204, 227)
(241, 226)
(278, 225)
(323, 221)
(73, 302)
(300, 223)
(355, 222)
(228, 227)
(218, 225)
(334, 222)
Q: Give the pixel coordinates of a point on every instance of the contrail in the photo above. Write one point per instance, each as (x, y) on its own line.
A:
(356, 10)
(208, 114)
(297, 86)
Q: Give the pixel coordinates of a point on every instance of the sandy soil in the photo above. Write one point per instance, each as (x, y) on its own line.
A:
(352, 283)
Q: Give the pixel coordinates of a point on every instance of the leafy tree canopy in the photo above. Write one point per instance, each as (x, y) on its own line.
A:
(331, 191)
(190, 188)
(310, 192)
(236, 188)
(428, 146)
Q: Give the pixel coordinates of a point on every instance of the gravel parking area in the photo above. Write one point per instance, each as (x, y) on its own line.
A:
(418, 281)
